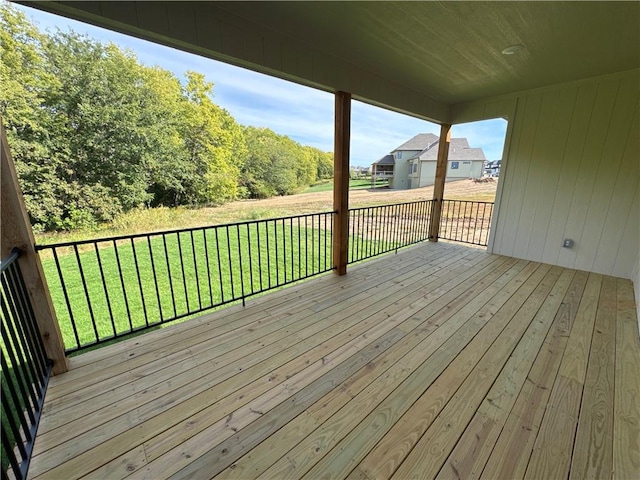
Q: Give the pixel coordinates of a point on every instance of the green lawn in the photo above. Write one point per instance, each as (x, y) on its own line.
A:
(132, 284)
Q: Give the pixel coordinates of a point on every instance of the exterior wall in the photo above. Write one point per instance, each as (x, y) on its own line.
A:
(427, 173)
(402, 170)
(466, 169)
(570, 170)
(401, 179)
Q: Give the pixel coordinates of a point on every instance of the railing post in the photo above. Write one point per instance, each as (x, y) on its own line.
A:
(441, 174)
(16, 232)
(341, 180)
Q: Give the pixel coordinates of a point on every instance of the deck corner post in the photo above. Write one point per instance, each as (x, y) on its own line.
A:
(342, 137)
(441, 175)
(17, 232)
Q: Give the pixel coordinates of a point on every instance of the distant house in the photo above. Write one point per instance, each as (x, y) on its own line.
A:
(413, 164)
(492, 169)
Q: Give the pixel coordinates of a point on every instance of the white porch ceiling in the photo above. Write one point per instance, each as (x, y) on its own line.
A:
(416, 57)
(452, 50)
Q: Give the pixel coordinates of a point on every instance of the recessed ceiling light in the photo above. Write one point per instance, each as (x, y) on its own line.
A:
(513, 49)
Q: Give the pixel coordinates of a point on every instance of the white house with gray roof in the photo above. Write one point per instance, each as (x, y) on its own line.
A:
(413, 164)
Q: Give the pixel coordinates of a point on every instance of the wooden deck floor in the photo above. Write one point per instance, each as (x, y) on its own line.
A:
(441, 361)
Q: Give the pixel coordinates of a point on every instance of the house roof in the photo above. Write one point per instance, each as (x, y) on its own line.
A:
(386, 160)
(459, 150)
(419, 142)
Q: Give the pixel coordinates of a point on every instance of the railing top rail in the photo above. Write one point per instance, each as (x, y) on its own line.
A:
(5, 262)
(176, 230)
(468, 201)
(391, 205)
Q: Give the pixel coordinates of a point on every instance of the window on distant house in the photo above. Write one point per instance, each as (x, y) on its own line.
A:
(399, 155)
(414, 168)
(454, 165)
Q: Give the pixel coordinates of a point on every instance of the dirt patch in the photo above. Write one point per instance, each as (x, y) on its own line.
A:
(322, 201)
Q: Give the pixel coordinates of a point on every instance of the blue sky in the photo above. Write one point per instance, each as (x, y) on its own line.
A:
(303, 113)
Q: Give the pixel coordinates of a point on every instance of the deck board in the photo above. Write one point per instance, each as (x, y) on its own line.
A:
(440, 360)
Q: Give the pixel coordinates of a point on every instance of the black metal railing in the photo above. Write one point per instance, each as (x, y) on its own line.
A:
(466, 221)
(385, 228)
(25, 371)
(107, 288)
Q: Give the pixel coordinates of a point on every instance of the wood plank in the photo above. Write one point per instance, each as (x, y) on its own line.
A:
(458, 374)
(512, 451)
(469, 457)
(516, 348)
(141, 366)
(495, 314)
(551, 456)
(626, 415)
(392, 321)
(593, 448)
(312, 448)
(294, 296)
(121, 466)
(210, 464)
(387, 416)
(261, 457)
(211, 324)
(189, 402)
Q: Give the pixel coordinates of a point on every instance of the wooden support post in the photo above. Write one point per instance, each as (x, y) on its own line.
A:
(16, 232)
(342, 139)
(441, 174)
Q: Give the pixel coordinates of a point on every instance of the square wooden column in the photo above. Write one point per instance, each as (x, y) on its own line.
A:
(342, 138)
(16, 232)
(441, 175)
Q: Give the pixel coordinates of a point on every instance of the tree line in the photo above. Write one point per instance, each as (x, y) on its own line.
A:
(94, 133)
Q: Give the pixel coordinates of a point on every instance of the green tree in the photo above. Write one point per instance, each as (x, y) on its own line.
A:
(99, 108)
(324, 165)
(171, 174)
(25, 77)
(214, 143)
(95, 133)
(270, 167)
(277, 165)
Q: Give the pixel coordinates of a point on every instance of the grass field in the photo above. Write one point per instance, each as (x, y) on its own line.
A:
(327, 185)
(130, 284)
(112, 288)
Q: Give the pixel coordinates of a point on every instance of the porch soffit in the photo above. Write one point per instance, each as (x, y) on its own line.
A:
(415, 57)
